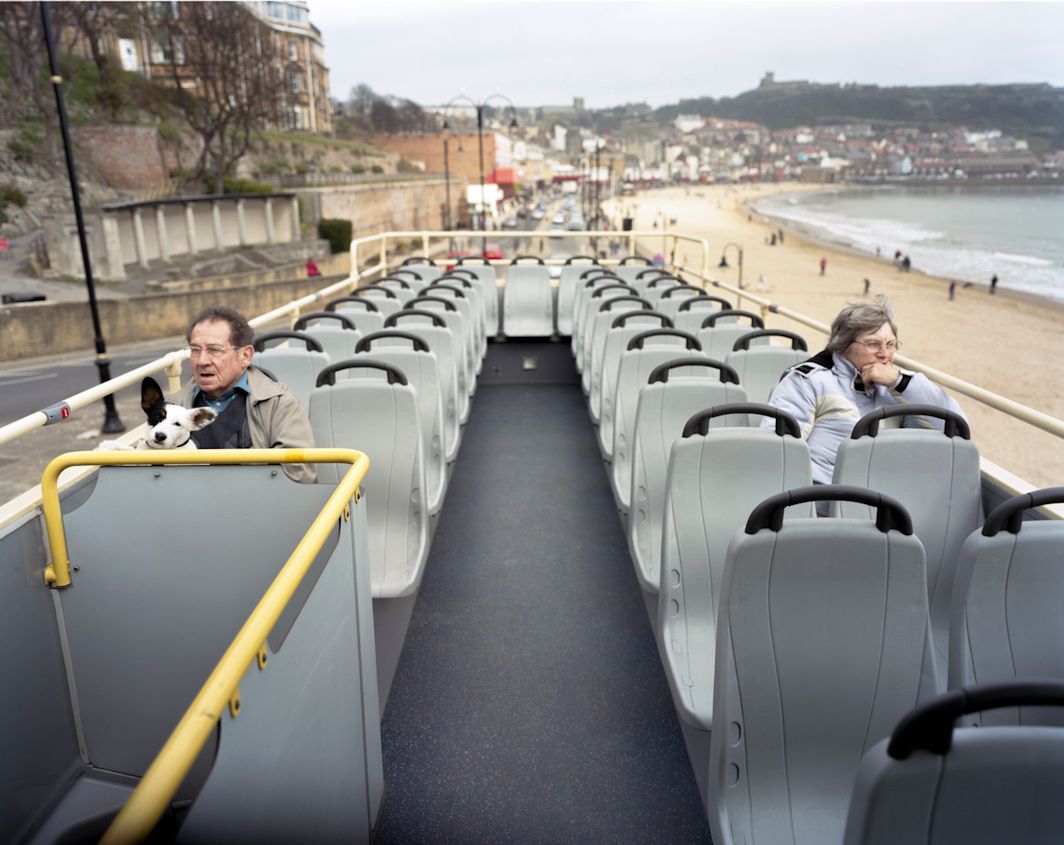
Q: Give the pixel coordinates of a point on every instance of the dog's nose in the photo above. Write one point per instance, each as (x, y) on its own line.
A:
(159, 437)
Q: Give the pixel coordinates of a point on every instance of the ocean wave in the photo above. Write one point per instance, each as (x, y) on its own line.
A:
(1023, 259)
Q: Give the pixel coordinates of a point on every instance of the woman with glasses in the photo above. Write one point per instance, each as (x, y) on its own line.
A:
(856, 374)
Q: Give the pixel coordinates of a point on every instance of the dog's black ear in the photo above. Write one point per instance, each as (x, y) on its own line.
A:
(151, 397)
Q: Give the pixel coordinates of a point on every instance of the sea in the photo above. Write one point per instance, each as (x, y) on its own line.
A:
(963, 232)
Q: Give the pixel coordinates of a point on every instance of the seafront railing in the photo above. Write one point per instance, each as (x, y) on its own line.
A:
(374, 254)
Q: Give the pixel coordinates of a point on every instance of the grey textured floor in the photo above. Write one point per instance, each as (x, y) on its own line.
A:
(530, 705)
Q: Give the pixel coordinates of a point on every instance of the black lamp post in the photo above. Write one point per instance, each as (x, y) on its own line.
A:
(724, 259)
(446, 187)
(112, 423)
(479, 106)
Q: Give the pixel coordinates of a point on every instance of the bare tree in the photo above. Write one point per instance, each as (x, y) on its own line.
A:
(94, 23)
(227, 73)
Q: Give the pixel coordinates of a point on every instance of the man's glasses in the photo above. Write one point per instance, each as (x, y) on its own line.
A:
(878, 346)
(213, 352)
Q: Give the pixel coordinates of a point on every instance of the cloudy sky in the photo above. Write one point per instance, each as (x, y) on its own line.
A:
(616, 51)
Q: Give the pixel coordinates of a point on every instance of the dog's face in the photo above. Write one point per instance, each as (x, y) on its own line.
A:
(170, 426)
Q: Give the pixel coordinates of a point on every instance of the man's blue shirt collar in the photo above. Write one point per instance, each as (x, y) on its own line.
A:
(222, 402)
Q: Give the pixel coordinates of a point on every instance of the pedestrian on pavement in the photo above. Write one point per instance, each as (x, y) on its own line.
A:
(993, 283)
(823, 266)
(952, 290)
(867, 285)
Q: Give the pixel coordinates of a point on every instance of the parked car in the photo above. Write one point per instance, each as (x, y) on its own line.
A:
(492, 252)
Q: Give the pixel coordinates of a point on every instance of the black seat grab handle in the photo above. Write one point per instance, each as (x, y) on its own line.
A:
(642, 258)
(407, 272)
(622, 320)
(699, 423)
(388, 293)
(403, 282)
(472, 258)
(890, 513)
(434, 316)
(345, 322)
(447, 304)
(313, 344)
(518, 258)
(418, 259)
(683, 286)
(368, 304)
(461, 272)
(597, 292)
(609, 303)
(797, 341)
(437, 285)
(453, 276)
(711, 320)
(664, 277)
(328, 374)
(1008, 516)
(657, 270)
(600, 273)
(929, 727)
(573, 258)
(365, 343)
(706, 297)
(956, 425)
(661, 372)
(690, 341)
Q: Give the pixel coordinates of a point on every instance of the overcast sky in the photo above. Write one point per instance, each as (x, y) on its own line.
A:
(615, 51)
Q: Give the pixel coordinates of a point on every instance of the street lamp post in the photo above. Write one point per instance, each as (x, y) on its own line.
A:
(479, 106)
(112, 423)
(724, 259)
(446, 187)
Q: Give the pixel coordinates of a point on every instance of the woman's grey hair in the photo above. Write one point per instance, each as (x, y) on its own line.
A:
(858, 319)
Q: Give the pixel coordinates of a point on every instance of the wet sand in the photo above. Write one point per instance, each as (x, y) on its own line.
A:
(1008, 343)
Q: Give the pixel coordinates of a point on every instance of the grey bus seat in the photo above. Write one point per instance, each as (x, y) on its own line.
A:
(425, 268)
(631, 266)
(641, 276)
(672, 298)
(402, 288)
(361, 311)
(693, 310)
(470, 319)
(412, 355)
(761, 367)
(473, 290)
(527, 302)
(1006, 622)
(665, 405)
(298, 368)
(657, 286)
(609, 300)
(335, 332)
(936, 477)
(604, 379)
(450, 315)
(385, 300)
(411, 276)
(721, 329)
(485, 274)
(644, 352)
(380, 417)
(823, 643)
(715, 478)
(430, 326)
(567, 282)
(937, 784)
(585, 286)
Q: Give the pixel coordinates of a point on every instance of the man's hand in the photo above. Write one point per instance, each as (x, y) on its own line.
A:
(877, 373)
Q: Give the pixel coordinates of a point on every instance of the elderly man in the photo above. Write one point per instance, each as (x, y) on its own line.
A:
(856, 374)
(254, 411)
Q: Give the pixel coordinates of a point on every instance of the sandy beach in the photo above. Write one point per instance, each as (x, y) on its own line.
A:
(1007, 343)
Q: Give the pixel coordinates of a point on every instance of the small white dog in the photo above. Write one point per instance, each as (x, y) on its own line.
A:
(170, 425)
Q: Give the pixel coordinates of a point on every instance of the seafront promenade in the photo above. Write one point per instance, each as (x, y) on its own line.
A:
(1006, 343)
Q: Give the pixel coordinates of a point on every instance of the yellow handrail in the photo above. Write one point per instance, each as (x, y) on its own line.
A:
(156, 789)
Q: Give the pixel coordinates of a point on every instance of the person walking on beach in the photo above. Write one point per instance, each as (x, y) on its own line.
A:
(823, 266)
(993, 283)
(781, 237)
(952, 290)
(867, 285)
